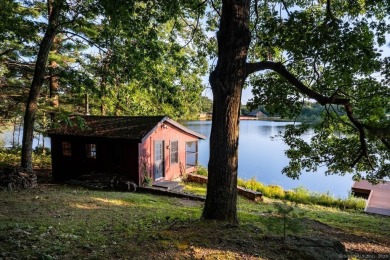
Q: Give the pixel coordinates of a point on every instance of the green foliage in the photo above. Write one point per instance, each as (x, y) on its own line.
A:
(206, 104)
(147, 70)
(332, 50)
(11, 157)
(147, 181)
(201, 170)
(244, 110)
(303, 196)
(284, 210)
(130, 58)
(298, 195)
(18, 40)
(154, 223)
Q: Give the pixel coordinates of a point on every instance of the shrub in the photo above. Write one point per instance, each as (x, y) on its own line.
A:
(274, 191)
(354, 203)
(251, 184)
(40, 150)
(299, 195)
(11, 156)
(201, 170)
(325, 200)
(302, 195)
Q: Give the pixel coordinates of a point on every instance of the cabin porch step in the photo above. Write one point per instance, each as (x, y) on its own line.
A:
(178, 188)
(168, 185)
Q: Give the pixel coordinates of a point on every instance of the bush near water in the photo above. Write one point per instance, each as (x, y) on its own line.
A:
(11, 157)
(298, 195)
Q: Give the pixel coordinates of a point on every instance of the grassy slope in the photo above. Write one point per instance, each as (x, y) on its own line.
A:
(74, 223)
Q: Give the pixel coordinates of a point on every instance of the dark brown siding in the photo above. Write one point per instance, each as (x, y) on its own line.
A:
(112, 157)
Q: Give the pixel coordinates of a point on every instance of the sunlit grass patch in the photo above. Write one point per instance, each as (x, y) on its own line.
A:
(67, 222)
(113, 202)
(195, 188)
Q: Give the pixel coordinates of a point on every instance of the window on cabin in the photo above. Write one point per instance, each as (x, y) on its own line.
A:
(174, 152)
(66, 149)
(91, 150)
(191, 154)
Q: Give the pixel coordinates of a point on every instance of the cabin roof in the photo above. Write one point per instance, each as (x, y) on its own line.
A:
(131, 128)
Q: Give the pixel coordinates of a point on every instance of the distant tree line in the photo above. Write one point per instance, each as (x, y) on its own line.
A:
(310, 112)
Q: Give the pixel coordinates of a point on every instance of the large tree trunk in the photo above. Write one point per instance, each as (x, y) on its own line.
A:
(37, 82)
(227, 81)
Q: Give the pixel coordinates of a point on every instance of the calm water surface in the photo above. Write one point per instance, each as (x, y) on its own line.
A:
(258, 156)
(9, 137)
(261, 157)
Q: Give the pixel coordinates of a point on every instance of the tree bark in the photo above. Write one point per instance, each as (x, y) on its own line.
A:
(55, 8)
(227, 81)
(54, 80)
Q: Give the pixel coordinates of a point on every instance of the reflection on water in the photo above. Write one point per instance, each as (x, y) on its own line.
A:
(262, 157)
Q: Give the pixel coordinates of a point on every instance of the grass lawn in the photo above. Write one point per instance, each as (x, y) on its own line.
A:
(65, 222)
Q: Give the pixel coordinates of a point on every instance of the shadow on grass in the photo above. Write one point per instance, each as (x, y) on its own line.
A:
(64, 222)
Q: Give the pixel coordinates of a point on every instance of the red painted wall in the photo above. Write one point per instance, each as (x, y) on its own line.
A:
(166, 134)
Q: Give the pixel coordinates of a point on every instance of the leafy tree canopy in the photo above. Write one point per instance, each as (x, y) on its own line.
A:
(130, 57)
(329, 51)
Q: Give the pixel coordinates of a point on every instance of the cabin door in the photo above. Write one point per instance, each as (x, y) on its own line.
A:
(158, 159)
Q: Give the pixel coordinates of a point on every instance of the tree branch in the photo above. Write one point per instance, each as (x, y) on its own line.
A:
(285, 7)
(83, 38)
(329, 13)
(381, 133)
(257, 16)
(360, 128)
(215, 8)
(6, 52)
(194, 27)
(16, 64)
(302, 88)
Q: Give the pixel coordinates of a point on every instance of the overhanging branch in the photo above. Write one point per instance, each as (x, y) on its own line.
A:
(302, 88)
(378, 132)
(91, 43)
(6, 52)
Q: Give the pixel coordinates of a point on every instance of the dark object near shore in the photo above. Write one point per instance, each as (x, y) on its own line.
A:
(118, 183)
(15, 179)
(104, 181)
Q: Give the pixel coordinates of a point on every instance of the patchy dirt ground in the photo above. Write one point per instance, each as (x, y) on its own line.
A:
(65, 222)
(358, 246)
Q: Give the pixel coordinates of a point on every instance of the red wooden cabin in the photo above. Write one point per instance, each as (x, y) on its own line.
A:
(134, 147)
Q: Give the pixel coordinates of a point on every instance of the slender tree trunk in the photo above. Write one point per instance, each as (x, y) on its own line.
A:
(54, 83)
(55, 7)
(86, 104)
(13, 135)
(103, 82)
(19, 129)
(227, 81)
(102, 104)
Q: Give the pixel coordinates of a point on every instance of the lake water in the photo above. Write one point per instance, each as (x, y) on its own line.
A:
(263, 158)
(258, 156)
(7, 138)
